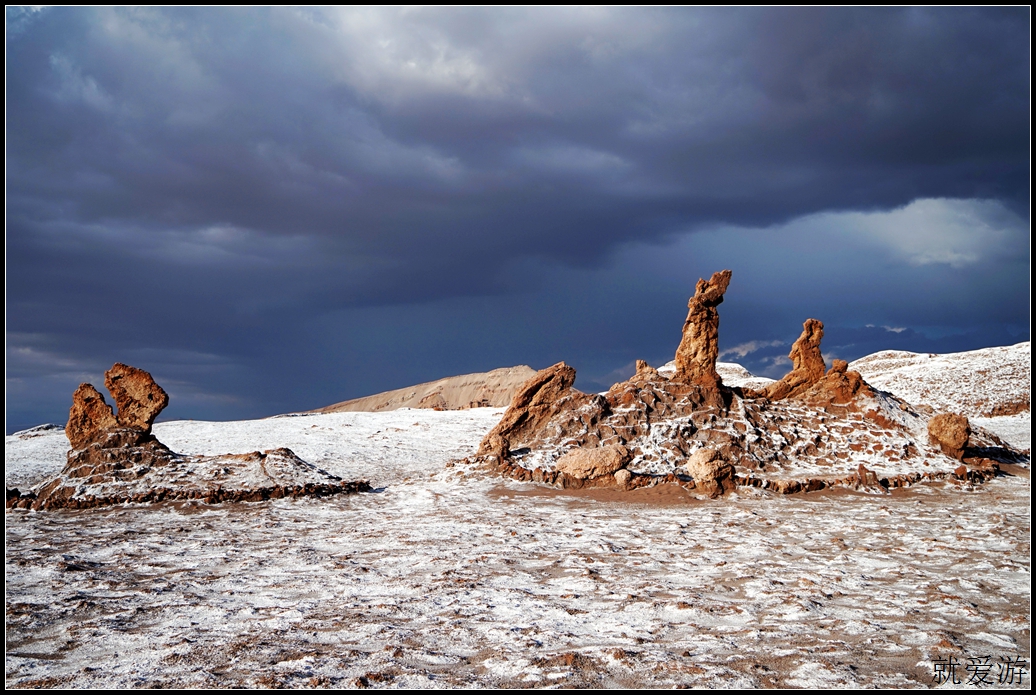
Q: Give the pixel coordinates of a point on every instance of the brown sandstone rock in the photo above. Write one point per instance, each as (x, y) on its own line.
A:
(645, 372)
(839, 386)
(807, 364)
(866, 476)
(623, 477)
(699, 348)
(711, 473)
(530, 407)
(138, 398)
(90, 417)
(116, 459)
(949, 432)
(586, 464)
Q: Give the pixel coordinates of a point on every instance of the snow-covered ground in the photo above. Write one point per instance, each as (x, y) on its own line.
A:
(991, 386)
(446, 577)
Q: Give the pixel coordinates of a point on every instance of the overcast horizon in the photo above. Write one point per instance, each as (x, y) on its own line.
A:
(276, 209)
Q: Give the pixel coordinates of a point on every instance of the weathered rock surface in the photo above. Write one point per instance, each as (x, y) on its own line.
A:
(809, 431)
(90, 418)
(585, 464)
(260, 475)
(807, 365)
(950, 432)
(536, 401)
(711, 473)
(838, 387)
(699, 347)
(645, 372)
(138, 398)
(116, 459)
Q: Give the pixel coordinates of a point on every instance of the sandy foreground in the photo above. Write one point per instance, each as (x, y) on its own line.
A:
(444, 577)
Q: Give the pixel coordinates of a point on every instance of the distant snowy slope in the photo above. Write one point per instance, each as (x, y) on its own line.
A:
(991, 386)
(979, 383)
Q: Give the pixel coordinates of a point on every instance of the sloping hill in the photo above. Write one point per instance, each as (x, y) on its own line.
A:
(483, 389)
(990, 382)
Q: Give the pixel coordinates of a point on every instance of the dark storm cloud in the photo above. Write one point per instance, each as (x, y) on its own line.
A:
(220, 183)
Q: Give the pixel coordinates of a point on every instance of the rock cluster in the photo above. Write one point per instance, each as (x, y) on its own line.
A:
(116, 459)
(691, 429)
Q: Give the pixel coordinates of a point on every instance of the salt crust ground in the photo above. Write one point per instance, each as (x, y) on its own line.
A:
(441, 580)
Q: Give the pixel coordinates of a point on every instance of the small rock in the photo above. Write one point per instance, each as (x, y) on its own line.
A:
(584, 464)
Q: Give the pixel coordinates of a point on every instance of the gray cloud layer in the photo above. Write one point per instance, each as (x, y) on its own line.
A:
(231, 191)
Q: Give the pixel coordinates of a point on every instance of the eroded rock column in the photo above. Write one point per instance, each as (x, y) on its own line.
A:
(699, 348)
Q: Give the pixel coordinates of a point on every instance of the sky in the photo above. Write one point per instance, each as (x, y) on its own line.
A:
(276, 209)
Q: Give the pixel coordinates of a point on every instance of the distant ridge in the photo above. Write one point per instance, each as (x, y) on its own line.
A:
(483, 389)
(990, 382)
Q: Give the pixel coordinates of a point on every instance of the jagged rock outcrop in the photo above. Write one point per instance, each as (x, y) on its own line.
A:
(645, 373)
(116, 459)
(104, 441)
(807, 365)
(950, 432)
(534, 403)
(838, 387)
(813, 429)
(90, 419)
(699, 347)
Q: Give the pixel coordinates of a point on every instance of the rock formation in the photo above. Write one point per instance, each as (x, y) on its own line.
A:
(138, 398)
(807, 365)
(808, 431)
(104, 441)
(838, 387)
(533, 405)
(90, 419)
(116, 459)
(699, 347)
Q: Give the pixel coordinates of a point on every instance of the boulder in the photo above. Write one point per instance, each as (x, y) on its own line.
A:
(711, 473)
(699, 348)
(950, 432)
(585, 464)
